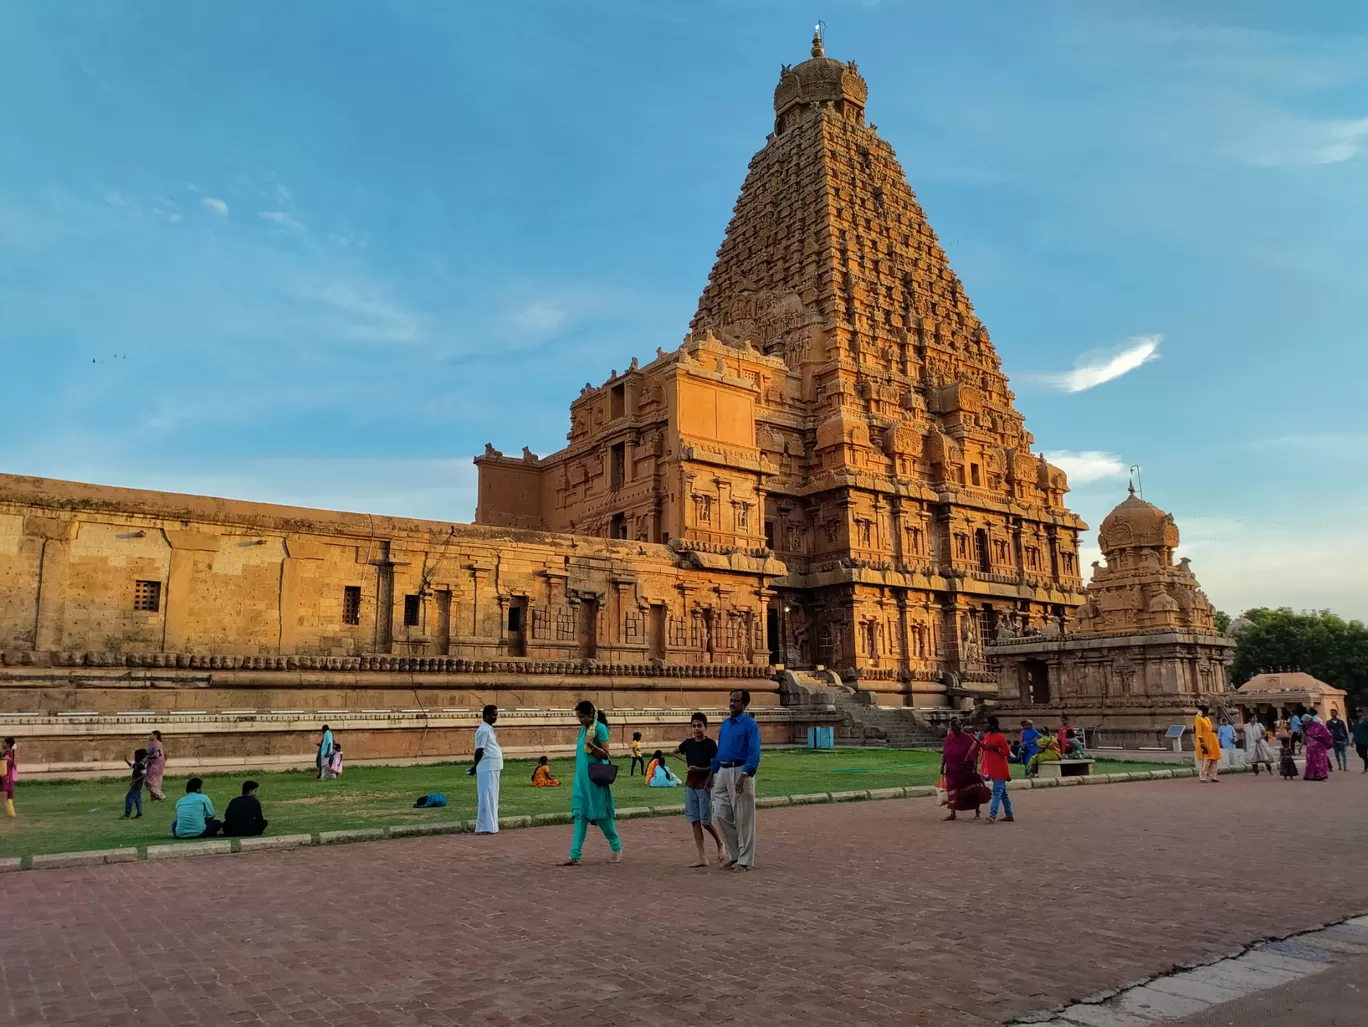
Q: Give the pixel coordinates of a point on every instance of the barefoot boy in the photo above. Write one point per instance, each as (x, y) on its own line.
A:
(698, 752)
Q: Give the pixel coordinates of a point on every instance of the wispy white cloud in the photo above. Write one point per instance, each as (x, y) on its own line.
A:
(215, 204)
(539, 317)
(1088, 465)
(361, 315)
(279, 217)
(1102, 366)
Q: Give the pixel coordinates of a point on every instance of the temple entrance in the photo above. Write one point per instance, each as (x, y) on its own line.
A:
(1034, 680)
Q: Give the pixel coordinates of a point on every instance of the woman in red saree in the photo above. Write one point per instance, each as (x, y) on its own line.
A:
(1318, 742)
(964, 787)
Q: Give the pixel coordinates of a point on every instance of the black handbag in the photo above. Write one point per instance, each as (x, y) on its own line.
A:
(602, 774)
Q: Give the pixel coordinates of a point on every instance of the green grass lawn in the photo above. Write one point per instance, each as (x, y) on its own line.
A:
(67, 816)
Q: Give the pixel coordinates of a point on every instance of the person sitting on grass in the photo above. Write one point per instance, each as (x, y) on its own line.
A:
(1048, 752)
(661, 776)
(194, 813)
(541, 777)
(242, 818)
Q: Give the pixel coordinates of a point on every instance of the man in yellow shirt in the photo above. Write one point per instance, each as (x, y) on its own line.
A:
(1208, 745)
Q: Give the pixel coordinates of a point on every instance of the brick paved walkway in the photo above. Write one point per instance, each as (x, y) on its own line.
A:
(869, 913)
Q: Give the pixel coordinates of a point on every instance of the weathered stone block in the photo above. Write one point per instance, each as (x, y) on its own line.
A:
(208, 847)
(280, 841)
(546, 819)
(358, 834)
(418, 830)
(95, 857)
(887, 793)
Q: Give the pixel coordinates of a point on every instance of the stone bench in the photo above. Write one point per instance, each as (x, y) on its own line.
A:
(1065, 768)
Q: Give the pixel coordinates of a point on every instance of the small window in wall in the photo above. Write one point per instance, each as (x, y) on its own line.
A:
(974, 474)
(351, 604)
(413, 608)
(147, 596)
(617, 465)
(618, 401)
(617, 527)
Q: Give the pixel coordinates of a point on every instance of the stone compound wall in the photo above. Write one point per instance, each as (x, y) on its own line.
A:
(117, 603)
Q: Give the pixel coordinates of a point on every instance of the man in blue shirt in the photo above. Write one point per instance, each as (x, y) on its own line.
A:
(734, 767)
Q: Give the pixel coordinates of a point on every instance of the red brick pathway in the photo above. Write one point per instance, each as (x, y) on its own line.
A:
(869, 913)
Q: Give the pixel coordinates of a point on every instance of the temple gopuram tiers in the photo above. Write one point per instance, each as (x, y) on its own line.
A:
(836, 423)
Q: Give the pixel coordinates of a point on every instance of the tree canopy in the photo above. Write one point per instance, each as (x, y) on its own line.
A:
(1319, 642)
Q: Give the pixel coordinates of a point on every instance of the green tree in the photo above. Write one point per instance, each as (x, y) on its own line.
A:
(1318, 642)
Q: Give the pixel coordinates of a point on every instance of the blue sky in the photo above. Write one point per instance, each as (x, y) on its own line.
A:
(321, 253)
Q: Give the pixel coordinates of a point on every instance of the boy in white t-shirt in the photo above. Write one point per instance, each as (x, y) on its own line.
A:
(487, 768)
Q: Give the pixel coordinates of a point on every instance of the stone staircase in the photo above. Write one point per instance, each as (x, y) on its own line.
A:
(859, 721)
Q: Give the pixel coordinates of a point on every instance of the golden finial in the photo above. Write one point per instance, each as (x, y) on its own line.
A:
(817, 50)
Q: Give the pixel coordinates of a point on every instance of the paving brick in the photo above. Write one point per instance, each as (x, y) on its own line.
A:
(279, 841)
(95, 857)
(78, 961)
(358, 834)
(208, 847)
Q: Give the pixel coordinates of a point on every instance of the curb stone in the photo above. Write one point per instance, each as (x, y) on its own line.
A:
(359, 834)
(418, 830)
(269, 842)
(222, 847)
(96, 857)
(279, 841)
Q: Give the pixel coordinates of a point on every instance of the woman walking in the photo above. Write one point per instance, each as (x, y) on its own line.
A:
(1257, 749)
(1318, 742)
(156, 766)
(8, 776)
(964, 786)
(591, 801)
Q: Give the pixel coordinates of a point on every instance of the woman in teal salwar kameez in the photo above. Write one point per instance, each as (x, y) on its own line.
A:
(591, 803)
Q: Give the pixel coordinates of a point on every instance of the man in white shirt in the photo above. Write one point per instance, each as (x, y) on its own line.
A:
(488, 766)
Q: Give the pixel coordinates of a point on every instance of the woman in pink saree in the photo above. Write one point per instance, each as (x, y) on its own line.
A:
(156, 765)
(964, 787)
(1318, 744)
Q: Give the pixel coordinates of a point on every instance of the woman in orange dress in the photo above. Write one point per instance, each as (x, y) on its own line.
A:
(541, 777)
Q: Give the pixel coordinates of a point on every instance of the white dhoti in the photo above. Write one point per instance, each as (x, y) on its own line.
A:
(487, 795)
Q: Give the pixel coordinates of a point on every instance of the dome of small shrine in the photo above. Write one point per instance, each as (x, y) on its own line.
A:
(1137, 524)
